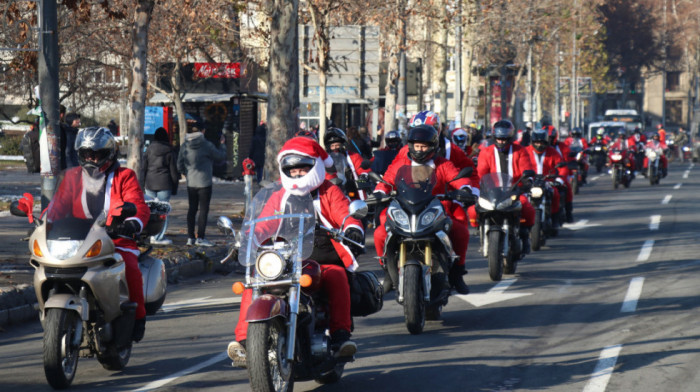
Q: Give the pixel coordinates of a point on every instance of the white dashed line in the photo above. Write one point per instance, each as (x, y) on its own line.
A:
(677, 186)
(666, 199)
(164, 381)
(655, 221)
(633, 294)
(603, 370)
(646, 250)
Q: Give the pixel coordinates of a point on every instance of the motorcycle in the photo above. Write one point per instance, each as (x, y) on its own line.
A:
(540, 197)
(418, 250)
(653, 165)
(577, 167)
(82, 293)
(287, 338)
(598, 152)
(621, 173)
(499, 209)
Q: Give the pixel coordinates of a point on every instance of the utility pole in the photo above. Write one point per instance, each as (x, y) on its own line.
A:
(401, 88)
(458, 65)
(530, 109)
(574, 83)
(557, 103)
(48, 92)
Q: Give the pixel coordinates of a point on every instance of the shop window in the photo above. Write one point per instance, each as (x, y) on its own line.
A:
(673, 81)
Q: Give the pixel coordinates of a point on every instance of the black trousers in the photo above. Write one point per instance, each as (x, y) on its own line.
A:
(199, 198)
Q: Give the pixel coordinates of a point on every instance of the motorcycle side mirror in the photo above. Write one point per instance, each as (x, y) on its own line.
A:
(14, 209)
(358, 209)
(375, 177)
(366, 164)
(225, 225)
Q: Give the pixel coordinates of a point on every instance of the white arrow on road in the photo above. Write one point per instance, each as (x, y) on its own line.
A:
(496, 294)
(582, 224)
(199, 302)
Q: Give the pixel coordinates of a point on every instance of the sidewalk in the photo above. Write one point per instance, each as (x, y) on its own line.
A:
(17, 296)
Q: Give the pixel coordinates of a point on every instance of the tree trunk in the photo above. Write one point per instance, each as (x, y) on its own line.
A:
(283, 105)
(443, 66)
(391, 91)
(137, 98)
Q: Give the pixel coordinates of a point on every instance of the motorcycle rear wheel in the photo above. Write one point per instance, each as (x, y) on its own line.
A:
(113, 358)
(60, 356)
(574, 184)
(413, 299)
(268, 369)
(495, 255)
(536, 233)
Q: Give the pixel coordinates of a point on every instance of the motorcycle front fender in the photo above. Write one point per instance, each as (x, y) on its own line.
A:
(67, 301)
(267, 307)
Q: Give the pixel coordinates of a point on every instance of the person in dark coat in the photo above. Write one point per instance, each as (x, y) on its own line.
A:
(257, 149)
(30, 149)
(71, 131)
(160, 175)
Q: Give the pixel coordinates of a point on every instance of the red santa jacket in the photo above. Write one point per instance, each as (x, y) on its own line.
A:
(544, 163)
(518, 162)
(122, 186)
(354, 162)
(444, 171)
(331, 206)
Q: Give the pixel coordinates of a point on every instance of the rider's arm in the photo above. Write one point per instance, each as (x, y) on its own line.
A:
(129, 190)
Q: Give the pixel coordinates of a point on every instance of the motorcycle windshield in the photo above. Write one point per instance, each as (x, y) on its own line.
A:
(277, 220)
(63, 221)
(496, 186)
(414, 184)
(340, 163)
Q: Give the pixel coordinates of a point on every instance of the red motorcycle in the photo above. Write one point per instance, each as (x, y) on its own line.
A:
(620, 166)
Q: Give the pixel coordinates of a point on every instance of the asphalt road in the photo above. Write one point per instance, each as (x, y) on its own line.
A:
(610, 304)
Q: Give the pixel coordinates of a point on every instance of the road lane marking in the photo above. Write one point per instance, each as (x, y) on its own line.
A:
(595, 178)
(199, 302)
(645, 252)
(678, 186)
(666, 199)
(603, 370)
(633, 294)
(655, 221)
(685, 175)
(579, 225)
(164, 381)
(496, 294)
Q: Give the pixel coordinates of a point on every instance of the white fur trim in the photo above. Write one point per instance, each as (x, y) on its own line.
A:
(306, 184)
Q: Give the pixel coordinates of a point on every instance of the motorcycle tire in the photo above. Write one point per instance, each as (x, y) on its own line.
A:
(615, 180)
(60, 356)
(510, 261)
(152, 307)
(413, 299)
(114, 358)
(536, 234)
(268, 369)
(574, 184)
(495, 255)
(599, 168)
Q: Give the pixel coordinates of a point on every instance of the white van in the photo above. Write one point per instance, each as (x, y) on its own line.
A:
(630, 117)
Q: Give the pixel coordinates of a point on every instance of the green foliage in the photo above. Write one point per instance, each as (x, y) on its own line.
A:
(10, 145)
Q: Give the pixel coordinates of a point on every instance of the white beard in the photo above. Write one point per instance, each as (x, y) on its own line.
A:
(306, 184)
(93, 185)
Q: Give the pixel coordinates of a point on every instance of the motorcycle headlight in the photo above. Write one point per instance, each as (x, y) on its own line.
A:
(686, 148)
(651, 154)
(398, 216)
(536, 192)
(428, 217)
(598, 148)
(616, 157)
(485, 204)
(270, 265)
(63, 249)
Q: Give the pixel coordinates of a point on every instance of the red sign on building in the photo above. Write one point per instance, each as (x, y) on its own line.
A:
(217, 70)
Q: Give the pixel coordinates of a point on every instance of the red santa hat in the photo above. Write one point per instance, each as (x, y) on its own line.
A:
(307, 147)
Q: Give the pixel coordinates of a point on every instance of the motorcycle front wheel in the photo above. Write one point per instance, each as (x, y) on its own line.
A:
(60, 354)
(574, 184)
(495, 255)
(536, 232)
(413, 299)
(268, 368)
(615, 175)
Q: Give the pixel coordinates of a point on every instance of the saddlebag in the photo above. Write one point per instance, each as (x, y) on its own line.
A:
(366, 294)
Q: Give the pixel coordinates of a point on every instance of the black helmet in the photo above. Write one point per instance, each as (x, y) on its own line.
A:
(539, 136)
(503, 129)
(393, 139)
(335, 135)
(295, 161)
(425, 134)
(576, 132)
(97, 149)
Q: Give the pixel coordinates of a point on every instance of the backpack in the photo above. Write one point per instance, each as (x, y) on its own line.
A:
(366, 294)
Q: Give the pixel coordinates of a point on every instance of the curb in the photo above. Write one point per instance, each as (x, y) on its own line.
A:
(18, 304)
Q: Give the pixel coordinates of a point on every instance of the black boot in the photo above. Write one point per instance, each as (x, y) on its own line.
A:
(341, 345)
(664, 172)
(139, 330)
(569, 206)
(456, 280)
(524, 234)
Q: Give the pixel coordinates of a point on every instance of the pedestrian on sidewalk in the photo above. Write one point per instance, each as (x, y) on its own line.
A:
(160, 176)
(196, 161)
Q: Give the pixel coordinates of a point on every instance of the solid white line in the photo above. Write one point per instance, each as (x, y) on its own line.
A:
(645, 252)
(655, 221)
(603, 370)
(666, 199)
(633, 294)
(677, 186)
(159, 383)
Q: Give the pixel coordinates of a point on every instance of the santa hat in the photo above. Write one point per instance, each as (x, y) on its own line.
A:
(458, 131)
(307, 147)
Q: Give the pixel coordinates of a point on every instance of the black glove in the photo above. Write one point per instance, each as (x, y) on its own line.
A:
(464, 195)
(354, 234)
(128, 229)
(375, 197)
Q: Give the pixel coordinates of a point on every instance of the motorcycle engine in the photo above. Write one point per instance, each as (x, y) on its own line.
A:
(319, 346)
